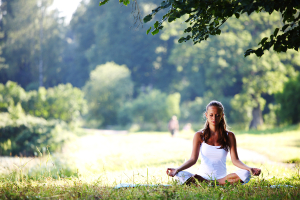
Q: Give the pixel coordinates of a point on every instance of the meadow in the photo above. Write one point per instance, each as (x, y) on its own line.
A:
(91, 166)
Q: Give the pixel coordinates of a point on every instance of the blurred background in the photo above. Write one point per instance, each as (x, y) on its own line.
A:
(70, 67)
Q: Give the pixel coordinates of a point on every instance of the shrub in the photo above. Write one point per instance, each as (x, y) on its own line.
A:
(24, 134)
(289, 100)
(63, 102)
(110, 85)
(10, 95)
(152, 107)
(192, 111)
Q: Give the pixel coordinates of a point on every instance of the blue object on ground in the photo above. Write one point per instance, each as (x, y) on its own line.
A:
(129, 185)
(278, 186)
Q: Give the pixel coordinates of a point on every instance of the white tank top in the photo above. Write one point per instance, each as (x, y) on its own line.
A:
(213, 162)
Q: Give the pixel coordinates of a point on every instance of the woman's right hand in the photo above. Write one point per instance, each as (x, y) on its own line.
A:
(171, 172)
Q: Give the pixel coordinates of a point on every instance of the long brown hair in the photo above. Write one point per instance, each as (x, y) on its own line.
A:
(222, 128)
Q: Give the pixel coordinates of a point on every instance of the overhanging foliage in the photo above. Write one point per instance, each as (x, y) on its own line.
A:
(206, 17)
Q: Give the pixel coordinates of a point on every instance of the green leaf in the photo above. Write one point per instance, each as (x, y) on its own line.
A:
(156, 24)
(259, 52)
(237, 15)
(248, 52)
(171, 18)
(149, 30)
(155, 32)
(147, 18)
(103, 2)
(218, 32)
(263, 41)
(182, 39)
(188, 30)
(284, 27)
(276, 32)
(125, 2)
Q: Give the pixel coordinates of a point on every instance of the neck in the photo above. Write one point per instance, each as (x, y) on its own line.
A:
(213, 129)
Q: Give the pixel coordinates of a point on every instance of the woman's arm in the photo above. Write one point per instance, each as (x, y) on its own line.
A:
(235, 158)
(193, 159)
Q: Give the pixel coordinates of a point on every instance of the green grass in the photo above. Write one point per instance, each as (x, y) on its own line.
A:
(90, 167)
(281, 144)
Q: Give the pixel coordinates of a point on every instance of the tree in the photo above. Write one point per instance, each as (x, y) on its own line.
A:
(102, 36)
(151, 107)
(32, 43)
(62, 102)
(107, 90)
(205, 18)
(216, 69)
(11, 94)
(289, 99)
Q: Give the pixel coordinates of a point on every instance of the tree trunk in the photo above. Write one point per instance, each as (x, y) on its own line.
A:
(41, 49)
(257, 119)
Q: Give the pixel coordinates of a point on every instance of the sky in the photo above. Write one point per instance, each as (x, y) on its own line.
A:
(66, 7)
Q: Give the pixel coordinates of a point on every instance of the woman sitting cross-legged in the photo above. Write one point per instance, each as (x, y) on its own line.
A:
(213, 143)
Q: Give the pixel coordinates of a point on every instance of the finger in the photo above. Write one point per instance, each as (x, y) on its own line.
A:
(259, 172)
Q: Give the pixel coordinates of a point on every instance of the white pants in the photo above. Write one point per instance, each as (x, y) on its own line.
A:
(183, 176)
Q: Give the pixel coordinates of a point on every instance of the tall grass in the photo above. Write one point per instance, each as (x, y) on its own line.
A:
(90, 168)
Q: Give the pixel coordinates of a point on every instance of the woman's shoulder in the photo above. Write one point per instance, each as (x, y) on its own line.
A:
(230, 134)
(199, 135)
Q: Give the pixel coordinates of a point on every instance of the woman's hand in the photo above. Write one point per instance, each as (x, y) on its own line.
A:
(171, 172)
(255, 171)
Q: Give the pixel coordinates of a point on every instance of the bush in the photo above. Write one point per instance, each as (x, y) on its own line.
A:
(192, 111)
(289, 100)
(110, 85)
(63, 102)
(27, 133)
(10, 95)
(47, 126)
(152, 107)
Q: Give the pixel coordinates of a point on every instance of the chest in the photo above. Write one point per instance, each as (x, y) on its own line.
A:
(213, 141)
(212, 152)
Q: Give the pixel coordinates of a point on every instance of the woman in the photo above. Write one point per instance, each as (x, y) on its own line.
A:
(213, 143)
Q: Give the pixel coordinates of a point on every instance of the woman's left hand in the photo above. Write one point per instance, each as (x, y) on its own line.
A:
(255, 171)
(171, 172)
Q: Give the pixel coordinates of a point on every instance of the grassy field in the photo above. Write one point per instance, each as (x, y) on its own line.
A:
(90, 167)
(279, 144)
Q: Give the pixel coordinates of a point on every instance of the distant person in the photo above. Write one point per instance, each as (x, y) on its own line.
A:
(213, 143)
(173, 125)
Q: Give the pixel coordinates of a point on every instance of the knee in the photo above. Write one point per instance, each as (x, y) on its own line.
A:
(244, 175)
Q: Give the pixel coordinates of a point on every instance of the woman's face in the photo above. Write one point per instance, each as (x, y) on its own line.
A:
(214, 115)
